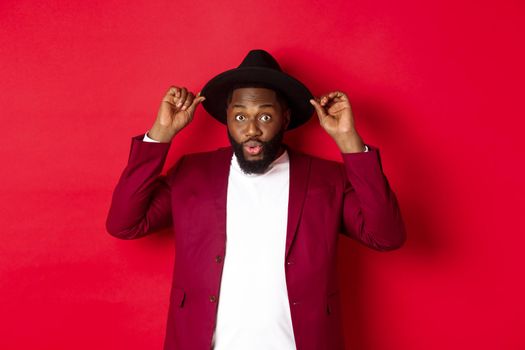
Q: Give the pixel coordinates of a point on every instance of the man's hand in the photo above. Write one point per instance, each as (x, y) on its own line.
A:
(175, 113)
(336, 118)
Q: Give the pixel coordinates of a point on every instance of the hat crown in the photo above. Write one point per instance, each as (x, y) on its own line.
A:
(258, 67)
(261, 59)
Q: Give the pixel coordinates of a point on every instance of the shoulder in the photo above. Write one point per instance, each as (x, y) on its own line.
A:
(315, 162)
(319, 169)
(200, 165)
(206, 156)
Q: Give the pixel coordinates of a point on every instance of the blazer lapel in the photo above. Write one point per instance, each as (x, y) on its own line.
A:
(299, 175)
(219, 186)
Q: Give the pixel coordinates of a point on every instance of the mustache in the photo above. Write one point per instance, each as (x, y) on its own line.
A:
(270, 151)
(253, 142)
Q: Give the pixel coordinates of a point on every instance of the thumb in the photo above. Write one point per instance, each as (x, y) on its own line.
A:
(318, 108)
(198, 99)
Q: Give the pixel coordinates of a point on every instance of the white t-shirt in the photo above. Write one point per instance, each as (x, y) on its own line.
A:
(253, 310)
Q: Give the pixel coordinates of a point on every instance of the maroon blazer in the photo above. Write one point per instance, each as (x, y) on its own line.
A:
(326, 198)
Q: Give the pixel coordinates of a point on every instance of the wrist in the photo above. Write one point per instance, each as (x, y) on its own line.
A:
(161, 133)
(350, 142)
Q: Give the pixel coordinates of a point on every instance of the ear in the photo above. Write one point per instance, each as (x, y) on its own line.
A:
(287, 117)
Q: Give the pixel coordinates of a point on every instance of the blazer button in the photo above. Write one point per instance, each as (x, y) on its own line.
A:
(213, 298)
(218, 259)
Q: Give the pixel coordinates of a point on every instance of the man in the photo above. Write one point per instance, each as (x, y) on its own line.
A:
(256, 224)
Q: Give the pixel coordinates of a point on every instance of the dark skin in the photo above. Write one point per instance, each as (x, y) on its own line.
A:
(333, 110)
(255, 114)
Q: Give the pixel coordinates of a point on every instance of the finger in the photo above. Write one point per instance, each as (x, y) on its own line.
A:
(319, 109)
(333, 99)
(189, 101)
(337, 95)
(183, 95)
(172, 90)
(169, 95)
(325, 100)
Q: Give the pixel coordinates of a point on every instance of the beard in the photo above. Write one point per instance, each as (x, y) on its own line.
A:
(270, 151)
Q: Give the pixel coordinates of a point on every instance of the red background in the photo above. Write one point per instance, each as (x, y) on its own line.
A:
(437, 86)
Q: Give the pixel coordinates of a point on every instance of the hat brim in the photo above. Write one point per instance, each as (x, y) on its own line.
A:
(297, 94)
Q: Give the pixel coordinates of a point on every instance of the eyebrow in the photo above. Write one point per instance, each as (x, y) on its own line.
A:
(260, 106)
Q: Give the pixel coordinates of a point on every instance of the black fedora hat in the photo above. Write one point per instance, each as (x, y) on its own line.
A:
(258, 67)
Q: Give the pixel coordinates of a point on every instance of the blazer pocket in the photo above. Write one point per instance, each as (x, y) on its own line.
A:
(177, 296)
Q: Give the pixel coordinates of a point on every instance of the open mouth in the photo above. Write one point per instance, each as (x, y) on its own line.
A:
(253, 148)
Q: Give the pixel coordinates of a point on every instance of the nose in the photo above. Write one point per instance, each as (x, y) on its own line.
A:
(252, 129)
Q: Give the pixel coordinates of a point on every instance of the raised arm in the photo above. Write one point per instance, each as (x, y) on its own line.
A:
(371, 212)
(141, 201)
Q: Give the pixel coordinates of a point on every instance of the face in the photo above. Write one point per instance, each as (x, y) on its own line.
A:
(256, 124)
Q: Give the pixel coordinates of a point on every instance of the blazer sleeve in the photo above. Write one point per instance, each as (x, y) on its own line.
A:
(371, 212)
(141, 202)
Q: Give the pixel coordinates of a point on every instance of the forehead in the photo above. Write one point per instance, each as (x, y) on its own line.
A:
(254, 95)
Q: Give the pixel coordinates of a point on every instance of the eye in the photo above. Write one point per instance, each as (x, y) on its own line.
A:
(240, 117)
(265, 118)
